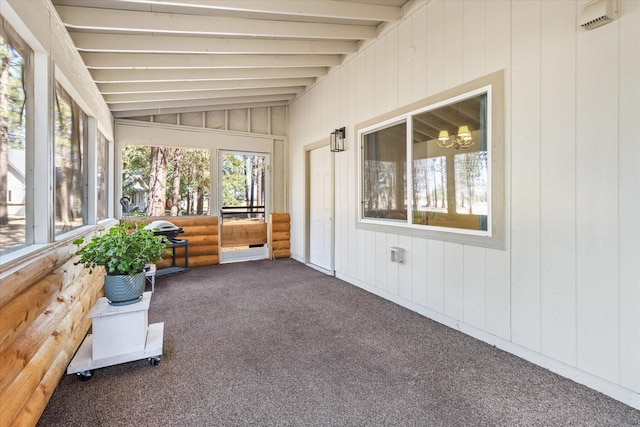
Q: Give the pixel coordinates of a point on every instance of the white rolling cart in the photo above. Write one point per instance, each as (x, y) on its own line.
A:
(150, 275)
(120, 334)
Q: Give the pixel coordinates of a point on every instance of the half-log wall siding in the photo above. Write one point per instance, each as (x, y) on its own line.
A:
(243, 233)
(280, 235)
(202, 234)
(43, 307)
(44, 298)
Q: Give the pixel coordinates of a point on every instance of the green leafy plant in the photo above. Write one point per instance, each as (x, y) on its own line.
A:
(124, 249)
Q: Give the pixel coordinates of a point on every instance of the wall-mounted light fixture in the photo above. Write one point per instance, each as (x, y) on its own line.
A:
(337, 139)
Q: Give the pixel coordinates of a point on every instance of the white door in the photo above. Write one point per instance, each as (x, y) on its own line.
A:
(321, 208)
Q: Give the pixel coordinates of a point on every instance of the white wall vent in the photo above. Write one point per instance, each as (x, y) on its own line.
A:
(597, 13)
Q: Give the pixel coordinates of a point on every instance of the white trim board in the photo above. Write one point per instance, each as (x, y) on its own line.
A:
(622, 394)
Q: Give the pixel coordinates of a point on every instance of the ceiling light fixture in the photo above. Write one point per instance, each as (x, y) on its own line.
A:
(463, 139)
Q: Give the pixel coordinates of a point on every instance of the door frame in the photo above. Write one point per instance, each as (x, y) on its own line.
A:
(250, 254)
(307, 206)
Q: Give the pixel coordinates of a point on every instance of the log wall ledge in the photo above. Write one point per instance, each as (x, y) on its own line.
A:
(44, 300)
(202, 233)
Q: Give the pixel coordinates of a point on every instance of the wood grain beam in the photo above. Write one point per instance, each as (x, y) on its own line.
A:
(316, 8)
(174, 61)
(205, 85)
(198, 95)
(147, 108)
(158, 43)
(136, 21)
(186, 75)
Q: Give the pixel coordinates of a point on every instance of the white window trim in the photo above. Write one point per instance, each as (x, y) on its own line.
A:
(40, 83)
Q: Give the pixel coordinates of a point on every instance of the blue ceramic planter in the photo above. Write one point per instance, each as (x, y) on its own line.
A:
(124, 289)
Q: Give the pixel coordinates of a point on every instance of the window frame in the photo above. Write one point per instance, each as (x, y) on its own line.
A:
(494, 236)
(79, 125)
(19, 45)
(361, 134)
(102, 148)
(41, 77)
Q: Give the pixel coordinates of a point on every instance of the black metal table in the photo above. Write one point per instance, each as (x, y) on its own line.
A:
(175, 269)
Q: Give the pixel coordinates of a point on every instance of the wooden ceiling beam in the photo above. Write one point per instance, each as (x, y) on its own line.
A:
(157, 107)
(143, 87)
(136, 43)
(124, 114)
(174, 61)
(316, 8)
(199, 74)
(135, 21)
(206, 94)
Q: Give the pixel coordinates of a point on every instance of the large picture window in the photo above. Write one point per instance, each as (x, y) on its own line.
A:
(434, 168)
(449, 165)
(384, 173)
(102, 175)
(13, 141)
(165, 181)
(70, 168)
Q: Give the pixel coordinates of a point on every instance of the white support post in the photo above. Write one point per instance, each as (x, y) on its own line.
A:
(43, 149)
(92, 167)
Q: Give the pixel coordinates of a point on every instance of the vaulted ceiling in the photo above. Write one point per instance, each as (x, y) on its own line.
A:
(165, 56)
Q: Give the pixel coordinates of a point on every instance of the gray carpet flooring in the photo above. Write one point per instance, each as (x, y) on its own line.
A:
(275, 343)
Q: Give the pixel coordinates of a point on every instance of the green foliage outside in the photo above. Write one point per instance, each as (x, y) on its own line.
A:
(234, 187)
(12, 144)
(195, 179)
(136, 166)
(12, 115)
(194, 176)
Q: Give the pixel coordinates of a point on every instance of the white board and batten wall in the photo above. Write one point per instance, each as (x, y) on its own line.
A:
(565, 291)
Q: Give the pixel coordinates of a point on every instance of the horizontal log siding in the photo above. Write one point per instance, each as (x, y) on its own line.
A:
(202, 232)
(44, 302)
(280, 235)
(241, 234)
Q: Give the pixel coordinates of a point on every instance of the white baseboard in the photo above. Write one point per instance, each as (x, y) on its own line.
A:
(320, 269)
(615, 391)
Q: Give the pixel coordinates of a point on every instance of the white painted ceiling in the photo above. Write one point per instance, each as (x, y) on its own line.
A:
(166, 56)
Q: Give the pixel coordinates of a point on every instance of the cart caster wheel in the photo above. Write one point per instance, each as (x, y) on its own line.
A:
(85, 375)
(154, 360)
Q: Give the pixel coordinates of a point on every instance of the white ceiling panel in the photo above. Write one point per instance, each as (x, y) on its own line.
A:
(161, 56)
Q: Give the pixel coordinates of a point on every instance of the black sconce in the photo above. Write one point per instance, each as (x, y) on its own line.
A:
(337, 140)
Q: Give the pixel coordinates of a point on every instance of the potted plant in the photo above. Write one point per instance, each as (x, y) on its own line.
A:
(123, 250)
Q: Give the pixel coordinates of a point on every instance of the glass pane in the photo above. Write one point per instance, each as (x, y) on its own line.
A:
(69, 177)
(13, 167)
(165, 181)
(102, 176)
(195, 182)
(429, 188)
(243, 187)
(384, 173)
(450, 170)
(471, 183)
